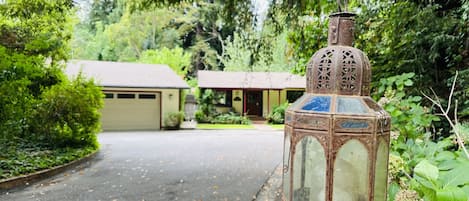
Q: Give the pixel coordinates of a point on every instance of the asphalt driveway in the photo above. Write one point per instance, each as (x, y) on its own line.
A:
(167, 165)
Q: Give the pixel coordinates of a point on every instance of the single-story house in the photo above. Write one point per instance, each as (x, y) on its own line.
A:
(252, 93)
(137, 96)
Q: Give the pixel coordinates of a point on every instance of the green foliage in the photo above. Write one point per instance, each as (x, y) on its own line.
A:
(173, 120)
(461, 92)
(22, 159)
(67, 114)
(206, 110)
(409, 118)
(309, 37)
(175, 58)
(236, 55)
(104, 12)
(36, 28)
(42, 114)
(442, 180)
(231, 118)
(425, 162)
(426, 38)
(256, 51)
(277, 115)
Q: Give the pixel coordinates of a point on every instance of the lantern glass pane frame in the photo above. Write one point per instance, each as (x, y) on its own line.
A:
(351, 172)
(309, 170)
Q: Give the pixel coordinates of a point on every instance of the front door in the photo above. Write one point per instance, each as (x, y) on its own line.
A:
(254, 103)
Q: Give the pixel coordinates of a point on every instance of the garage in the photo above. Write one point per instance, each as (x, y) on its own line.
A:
(136, 96)
(131, 111)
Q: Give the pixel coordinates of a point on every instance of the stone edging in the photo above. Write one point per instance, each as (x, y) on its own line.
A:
(24, 180)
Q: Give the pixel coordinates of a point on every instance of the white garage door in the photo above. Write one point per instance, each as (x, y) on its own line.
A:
(131, 111)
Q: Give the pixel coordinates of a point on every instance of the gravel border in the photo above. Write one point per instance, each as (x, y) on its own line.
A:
(25, 180)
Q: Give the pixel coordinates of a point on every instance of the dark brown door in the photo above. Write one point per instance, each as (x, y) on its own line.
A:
(254, 103)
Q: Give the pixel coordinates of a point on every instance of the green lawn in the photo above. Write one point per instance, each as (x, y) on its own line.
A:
(224, 126)
(277, 126)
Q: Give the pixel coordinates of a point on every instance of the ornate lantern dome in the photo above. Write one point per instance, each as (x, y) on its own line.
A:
(339, 68)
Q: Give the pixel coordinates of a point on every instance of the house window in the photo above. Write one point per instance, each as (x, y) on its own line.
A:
(108, 95)
(292, 96)
(223, 98)
(147, 96)
(126, 96)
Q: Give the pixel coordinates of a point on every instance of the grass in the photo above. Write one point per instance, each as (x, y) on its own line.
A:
(224, 126)
(277, 126)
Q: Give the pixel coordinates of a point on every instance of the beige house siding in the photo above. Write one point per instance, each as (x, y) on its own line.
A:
(238, 105)
(170, 102)
(270, 99)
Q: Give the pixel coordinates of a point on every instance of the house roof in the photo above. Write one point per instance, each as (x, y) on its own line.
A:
(132, 75)
(250, 80)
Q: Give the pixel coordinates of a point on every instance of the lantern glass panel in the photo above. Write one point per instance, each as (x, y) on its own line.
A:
(286, 164)
(350, 105)
(351, 173)
(309, 170)
(318, 104)
(381, 171)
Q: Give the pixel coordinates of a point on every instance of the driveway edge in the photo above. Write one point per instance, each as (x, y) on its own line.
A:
(25, 180)
(272, 188)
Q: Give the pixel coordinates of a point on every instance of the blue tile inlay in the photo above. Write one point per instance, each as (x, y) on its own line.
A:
(351, 124)
(318, 104)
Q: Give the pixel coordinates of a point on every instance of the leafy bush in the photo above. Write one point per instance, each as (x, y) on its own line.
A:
(277, 115)
(409, 118)
(67, 114)
(206, 110)
(231, 118)
(422, 161)
(173, 120)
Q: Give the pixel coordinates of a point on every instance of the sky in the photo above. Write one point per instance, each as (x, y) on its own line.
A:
(260, 9)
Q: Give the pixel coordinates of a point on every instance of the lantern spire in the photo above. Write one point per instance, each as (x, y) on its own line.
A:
(341, 28)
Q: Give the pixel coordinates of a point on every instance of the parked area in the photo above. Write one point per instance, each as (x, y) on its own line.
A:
(167, 165)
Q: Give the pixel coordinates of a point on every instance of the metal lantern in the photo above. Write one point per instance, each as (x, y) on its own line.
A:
(190, 106)
(336, 137)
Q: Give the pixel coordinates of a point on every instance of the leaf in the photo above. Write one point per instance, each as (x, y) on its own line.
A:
(457, 176)
(451, 194)
(445, 155)
(426, 170)
(448, 164)
(408, 83)
(392, 191)
(466, 190)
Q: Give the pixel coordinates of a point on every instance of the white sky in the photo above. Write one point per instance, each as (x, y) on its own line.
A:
(260, 9)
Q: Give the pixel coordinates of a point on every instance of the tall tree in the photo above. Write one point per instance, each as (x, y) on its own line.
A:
(33, 43)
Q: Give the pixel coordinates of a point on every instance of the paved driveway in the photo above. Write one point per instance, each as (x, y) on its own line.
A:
(167, 165)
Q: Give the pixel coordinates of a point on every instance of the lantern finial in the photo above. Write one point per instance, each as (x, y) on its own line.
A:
(341, 28)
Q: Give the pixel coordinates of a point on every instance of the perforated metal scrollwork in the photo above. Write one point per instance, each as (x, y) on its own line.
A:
(324, 70)
(348, 74)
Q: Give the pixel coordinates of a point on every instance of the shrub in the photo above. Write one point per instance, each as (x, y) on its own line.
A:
(231, 118)
(67, 114)
(206, 111)
(174, 120)
(277, 115)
